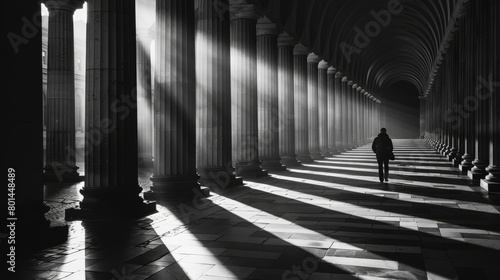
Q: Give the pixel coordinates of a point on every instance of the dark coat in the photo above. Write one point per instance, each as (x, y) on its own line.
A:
(382, 146)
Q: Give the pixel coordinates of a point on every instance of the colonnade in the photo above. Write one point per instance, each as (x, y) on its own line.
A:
(235, 97)
(460, 109)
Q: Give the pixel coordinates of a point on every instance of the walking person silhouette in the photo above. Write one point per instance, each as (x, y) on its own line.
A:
(382, 147)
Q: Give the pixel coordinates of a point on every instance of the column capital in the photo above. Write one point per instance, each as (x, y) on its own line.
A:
(323, 65)
(65, 5)
(344, 79)
(300, 49)
(266, 27)
(363, 92)
(359, 89)
(331, 70)
(240, 9)
(286, 40)
(355, 86)
(312, 58)
(350, 83)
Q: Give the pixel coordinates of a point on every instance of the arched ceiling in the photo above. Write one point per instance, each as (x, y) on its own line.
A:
(403, 47)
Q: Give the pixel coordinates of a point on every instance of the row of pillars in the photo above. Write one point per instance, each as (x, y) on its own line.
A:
(234, 97)
(461, 112)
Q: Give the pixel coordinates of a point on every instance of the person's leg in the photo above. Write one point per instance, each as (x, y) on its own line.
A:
(380, 170)
(386, 169)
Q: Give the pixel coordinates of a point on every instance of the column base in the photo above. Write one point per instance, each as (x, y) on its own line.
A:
(326, 152)
(250, 170)
(272, 165)
(492, 187)
(112, 203)
(465, 168)
(304, 158)
(289, 161)
(456, 162)
(334, 151)
(168, 188)
(216, 178)
(476, 175)
(316, 155)
(62, 174)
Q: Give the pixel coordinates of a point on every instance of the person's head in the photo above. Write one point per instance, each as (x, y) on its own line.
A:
(383, 130)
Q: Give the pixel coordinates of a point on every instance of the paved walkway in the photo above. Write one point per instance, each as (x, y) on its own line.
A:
(330, 219)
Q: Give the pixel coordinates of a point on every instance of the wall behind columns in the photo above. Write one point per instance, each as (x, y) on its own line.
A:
(401, 111)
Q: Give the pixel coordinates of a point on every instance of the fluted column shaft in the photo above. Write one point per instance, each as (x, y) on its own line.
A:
(267, 95)
(345, 115)
(244, 116)
(111, 185)
(144, 98)
(174, 172)
(482, 113)
(350, 115)
(339, 109)
(60, 133)
(469, 77)
(492, 180)
(331, 110)
(213, 96)
(301, 103)
(312, 104)
(286, 100)
(323, 108)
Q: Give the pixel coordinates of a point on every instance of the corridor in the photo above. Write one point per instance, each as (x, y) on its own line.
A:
(329, 219)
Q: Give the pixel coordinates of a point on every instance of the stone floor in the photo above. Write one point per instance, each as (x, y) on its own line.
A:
(330, 219)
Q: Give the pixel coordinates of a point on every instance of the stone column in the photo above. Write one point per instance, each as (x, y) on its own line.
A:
(267, 95)
(144, 98)
(60, 130)
(492, 181)
(244, 89)
(331, 110)
(111, 187)
(174, 172)
(286, 100)
(350, 115)
(23, 148)
(213, 96)
(323, 109)
(355, 116)
(481, 60)
(469, 76)
(312, 106)
(300, 53)
(345, 115)
(339, 144)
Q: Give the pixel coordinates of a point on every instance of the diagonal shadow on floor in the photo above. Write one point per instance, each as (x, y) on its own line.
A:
(427, 211)
(245, 257)
(411, 263)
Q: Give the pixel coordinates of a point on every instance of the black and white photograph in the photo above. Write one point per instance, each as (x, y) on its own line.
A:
(251, 139)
